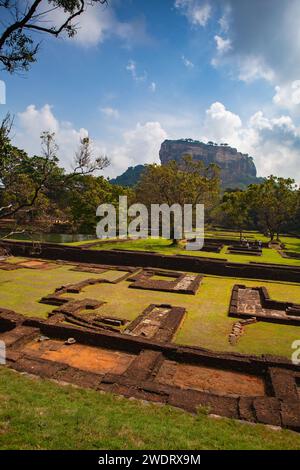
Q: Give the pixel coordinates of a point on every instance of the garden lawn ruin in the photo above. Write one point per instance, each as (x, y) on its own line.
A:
(144, 332)
(27, 263)
(210, 246)
(206, 321)
(159, 322)
(154, 279)
(255, 389)
(244, 250)
(256, 302)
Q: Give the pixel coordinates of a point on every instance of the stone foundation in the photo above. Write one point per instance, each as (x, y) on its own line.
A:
(183, 283)
(255, 302)
(255, 389)
(194, 264)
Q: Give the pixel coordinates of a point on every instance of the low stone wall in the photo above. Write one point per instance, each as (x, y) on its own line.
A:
(158, 322)
(183, 283)
(252, 250)
(262, 307)
(212, 247)
(289, 254)
(234, 241)
(236, 251)
(155, 260)
(209, 245)
(277, 404)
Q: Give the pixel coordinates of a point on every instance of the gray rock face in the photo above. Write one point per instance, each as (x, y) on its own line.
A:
(237, 169)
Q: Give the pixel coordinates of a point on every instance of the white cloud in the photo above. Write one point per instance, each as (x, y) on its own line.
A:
(197, 12)
(246, 69)
(265, 39)
(223, 45)
(110, 112)
(94, 26)
(288, 95)
(2, 92)
(273, 142)
(177, 124)
(252, 68)
(277, 145)
(32, 122)
(259, 122)
(188, 63)
(220, 124)
(99, 22)
(152, 87)
(132, 68)
(37, 120)
(224, 21)
(138, 145)
(137, 76)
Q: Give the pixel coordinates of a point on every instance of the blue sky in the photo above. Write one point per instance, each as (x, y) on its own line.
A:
(140, 71)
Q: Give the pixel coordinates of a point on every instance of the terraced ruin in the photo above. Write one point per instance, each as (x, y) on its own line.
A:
(112, 328)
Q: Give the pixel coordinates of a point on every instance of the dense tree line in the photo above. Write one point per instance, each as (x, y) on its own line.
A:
(272, 207)
(38, 195)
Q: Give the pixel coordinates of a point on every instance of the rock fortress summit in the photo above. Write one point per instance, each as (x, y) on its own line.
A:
(237, 169)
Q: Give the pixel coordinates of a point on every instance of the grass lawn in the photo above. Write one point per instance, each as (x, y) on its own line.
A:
(21, 290)
(163, 246)
(85, 419)
(206, 323)
(269, 255)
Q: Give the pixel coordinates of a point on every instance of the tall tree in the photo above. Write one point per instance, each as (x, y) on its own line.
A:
(20, 19)
(82, 197)
(28, 180)
(188, 183)
(275, 203)
(235, 209)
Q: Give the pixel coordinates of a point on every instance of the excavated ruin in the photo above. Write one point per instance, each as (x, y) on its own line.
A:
(256, 389)
(137, 359)
(255, 302)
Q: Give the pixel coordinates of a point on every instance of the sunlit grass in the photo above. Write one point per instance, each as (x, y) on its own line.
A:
(206, 324)
(165, 247)
(86, 419)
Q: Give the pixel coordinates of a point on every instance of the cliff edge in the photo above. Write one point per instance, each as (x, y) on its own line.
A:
(237, 169)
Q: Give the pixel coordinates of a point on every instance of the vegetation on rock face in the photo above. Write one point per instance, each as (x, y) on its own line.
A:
(130, 177)
(236, 169)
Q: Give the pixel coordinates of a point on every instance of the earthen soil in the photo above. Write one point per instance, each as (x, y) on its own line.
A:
(210, 379)
(83, 357)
